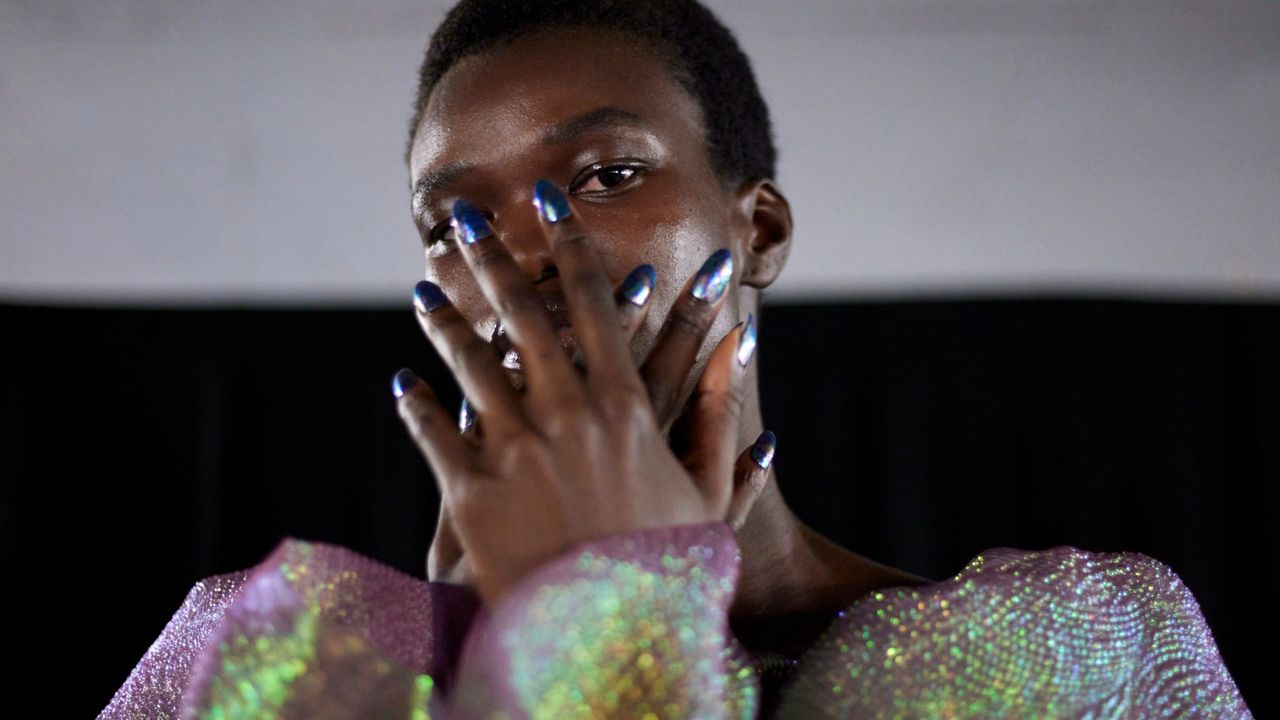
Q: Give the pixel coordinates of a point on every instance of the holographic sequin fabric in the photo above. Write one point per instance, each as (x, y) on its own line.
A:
(155, 687)
(1061, 633)
(315, 630)
(635, 626)
(632, 626)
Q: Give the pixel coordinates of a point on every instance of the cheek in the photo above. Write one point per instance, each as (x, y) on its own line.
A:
(677, 247)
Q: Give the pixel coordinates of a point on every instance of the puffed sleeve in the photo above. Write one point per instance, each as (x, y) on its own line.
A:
(633, 625)
(1057, 633)
(155, 687)
(314, 630)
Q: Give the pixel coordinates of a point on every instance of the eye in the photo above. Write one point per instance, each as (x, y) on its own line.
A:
(603, 180)
(442, 232)
(442, 235)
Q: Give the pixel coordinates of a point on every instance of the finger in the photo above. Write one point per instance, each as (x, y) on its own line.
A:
(444, 558)
(710, 428)
(676, 348)
(432, 429)
(446, 550)
(750, 474)
(468, 423)
(520, 308)
(474, 363)
(632, 301)
(587, 289)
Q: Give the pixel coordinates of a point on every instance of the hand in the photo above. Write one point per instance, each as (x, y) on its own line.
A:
(447, 558)
(578, 455)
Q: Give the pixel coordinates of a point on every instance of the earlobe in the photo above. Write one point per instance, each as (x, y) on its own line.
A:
(765, 217)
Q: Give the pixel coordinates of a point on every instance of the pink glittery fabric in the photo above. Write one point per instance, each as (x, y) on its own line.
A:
(635, 625)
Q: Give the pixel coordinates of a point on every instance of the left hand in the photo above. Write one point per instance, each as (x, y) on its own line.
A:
(578, 455)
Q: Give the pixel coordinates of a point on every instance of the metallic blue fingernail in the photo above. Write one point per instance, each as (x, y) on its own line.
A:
(762, 451)
(551, 203)
(403, 382)
(466, 416)
(713, 278)
(427, 296)
(469, 223)
(747, 343)
(639, 284)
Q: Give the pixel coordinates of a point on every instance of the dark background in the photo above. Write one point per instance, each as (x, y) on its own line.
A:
(141, 450)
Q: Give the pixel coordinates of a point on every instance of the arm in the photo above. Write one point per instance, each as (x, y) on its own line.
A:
(623, 625)
(155, 687)
(1059, 633)
(620, 627)
(264, 638)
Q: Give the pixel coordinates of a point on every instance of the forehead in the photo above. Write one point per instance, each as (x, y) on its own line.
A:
(501, 101)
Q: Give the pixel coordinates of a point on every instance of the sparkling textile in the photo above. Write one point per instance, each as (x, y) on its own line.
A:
(635, 625)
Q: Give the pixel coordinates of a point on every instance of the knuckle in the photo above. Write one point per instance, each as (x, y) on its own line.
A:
(567, 422)
(592, 280)
(689, 322)
(731, 405)
(420, 415)
(487, 255)
(469, 352)
(660, 393)
(627, 406)
(520, 303)
(520, 453)
(573, 241)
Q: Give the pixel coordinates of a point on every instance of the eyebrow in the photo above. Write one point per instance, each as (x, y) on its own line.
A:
(605, 117)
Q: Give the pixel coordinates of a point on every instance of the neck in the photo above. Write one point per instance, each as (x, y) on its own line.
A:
(793, 580)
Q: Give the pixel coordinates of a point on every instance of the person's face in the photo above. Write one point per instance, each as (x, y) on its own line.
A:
(601, 116)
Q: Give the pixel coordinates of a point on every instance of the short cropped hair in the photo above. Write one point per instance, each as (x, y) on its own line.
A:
(703, 55)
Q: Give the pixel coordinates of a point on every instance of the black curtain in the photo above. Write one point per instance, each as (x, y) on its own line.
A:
(141, 450)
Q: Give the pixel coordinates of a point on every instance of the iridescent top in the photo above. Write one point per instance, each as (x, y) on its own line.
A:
(635, 626)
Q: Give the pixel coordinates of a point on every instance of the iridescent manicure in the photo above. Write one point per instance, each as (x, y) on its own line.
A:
(469, 223)
(747, 343)
(403, 382)
(710, 282)
(762, 451)
(466, 416)
(551, 203)
(427, 296)
(639, 284)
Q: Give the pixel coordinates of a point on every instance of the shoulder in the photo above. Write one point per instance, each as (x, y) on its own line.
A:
(1059, 595)
(1042, 630)
(1062, 581)
(1069, 574)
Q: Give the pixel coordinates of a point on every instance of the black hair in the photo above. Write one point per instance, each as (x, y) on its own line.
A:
(702, 53)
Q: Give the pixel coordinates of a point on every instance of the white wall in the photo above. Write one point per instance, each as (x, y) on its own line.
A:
(157, 152)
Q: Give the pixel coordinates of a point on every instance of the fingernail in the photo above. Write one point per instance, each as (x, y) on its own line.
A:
(469, 223)
(403, 382)
(747, 343)
(466, 416)
(639, 284)
(762, 451)
(551, 203)
(712, 279)
(427, 296)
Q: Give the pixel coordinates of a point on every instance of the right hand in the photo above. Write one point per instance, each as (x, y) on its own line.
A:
(447, 559)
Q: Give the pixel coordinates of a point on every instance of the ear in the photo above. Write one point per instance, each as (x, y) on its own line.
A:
(764, 217)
